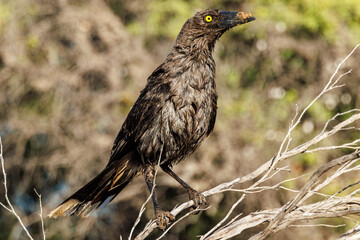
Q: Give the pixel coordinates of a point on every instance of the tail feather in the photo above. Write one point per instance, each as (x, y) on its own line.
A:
(99, 191)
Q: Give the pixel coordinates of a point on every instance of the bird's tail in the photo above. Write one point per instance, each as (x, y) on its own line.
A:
(99, 191)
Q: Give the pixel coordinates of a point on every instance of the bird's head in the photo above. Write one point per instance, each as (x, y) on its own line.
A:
(207, 26)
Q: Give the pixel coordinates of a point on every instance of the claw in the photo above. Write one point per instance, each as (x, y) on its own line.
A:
(198, 199)
(163, 219)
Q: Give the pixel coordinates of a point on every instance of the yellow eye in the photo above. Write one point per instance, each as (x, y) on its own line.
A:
(208, 18)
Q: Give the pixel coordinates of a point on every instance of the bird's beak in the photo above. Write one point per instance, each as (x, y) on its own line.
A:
(232, 19)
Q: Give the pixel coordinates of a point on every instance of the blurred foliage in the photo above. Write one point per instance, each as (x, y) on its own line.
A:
(304, 19)
(71, 70)
(4, 14)
(323, 18)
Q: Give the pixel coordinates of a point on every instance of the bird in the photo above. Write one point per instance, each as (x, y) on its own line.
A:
(172, 116)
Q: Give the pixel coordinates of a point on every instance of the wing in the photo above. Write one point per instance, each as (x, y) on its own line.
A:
(146, 110)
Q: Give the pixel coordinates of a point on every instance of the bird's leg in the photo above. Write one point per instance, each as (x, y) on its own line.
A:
(163, 218)
(198, 198)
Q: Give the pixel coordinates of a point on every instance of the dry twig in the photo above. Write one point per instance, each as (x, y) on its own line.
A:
(10, 207)
(41, 215)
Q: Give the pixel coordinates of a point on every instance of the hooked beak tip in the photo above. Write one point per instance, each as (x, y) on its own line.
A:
(245, 17)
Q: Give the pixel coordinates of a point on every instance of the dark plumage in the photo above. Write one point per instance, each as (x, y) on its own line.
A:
(174, 113)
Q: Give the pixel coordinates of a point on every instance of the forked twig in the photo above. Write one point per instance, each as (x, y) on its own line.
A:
(41, 215)
(10, 207)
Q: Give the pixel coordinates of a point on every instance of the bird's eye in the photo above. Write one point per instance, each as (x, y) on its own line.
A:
(208, 18)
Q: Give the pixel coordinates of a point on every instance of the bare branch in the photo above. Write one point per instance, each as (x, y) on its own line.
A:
(225, 218)
(318, 225)
(353, 234)
(41, 215)
(10, 207)
(326, 209)
(275, 223)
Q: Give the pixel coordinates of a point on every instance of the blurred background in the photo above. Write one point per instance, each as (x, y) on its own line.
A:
(71, 69)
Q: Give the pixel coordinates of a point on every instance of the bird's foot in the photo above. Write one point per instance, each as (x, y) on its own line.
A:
(163, 219)
(198, 199)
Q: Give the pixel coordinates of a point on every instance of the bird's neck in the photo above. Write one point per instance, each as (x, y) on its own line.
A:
(197, 42)
(195, 66)
(194, 48)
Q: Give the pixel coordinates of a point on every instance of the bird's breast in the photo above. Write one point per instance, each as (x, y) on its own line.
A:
(189, 113)
(183, 98)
